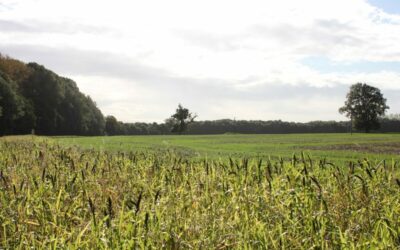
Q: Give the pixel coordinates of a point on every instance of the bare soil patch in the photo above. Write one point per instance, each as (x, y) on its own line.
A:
(377, 148)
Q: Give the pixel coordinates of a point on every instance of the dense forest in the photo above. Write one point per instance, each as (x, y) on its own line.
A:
(34, 99)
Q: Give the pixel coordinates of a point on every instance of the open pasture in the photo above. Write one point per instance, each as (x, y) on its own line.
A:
(337, 147)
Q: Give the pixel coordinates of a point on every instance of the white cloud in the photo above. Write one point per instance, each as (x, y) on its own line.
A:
(146, 56)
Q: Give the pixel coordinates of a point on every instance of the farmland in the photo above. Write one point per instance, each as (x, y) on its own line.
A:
(337, 147)
(318, 191)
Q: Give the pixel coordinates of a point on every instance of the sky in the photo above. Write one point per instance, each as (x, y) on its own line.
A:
(253, 59)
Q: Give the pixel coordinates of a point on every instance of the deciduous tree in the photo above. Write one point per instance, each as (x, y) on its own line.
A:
(364, 105)
(180, 120)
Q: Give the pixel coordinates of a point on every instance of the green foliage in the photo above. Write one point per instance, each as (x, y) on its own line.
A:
(16, 115)
(8, 104)
(35, 98)
(364, 105)
(180, 120)
(45, 91)
(67, 198)
(113, 127)
(224, 126)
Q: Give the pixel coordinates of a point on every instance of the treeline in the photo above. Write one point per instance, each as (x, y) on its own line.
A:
(114, 127)
(34, 99)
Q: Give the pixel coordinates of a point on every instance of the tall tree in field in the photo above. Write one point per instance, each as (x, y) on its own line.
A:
(180, 120)
(364, 105)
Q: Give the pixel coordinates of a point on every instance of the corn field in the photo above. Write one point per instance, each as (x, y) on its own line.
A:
(59, 197)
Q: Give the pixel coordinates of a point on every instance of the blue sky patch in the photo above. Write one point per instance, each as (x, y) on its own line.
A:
(389, 6)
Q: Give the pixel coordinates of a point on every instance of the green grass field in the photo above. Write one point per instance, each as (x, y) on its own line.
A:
(200, 192)
(335, 147)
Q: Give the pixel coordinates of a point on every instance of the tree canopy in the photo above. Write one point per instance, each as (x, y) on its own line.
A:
(33, 97)
(364, 105)
(180, 120)
(113, 126)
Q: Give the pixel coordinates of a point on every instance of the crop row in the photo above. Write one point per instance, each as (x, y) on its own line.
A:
(52, 196)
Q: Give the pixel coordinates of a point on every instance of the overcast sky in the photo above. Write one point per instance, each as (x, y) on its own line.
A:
(267, 59)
